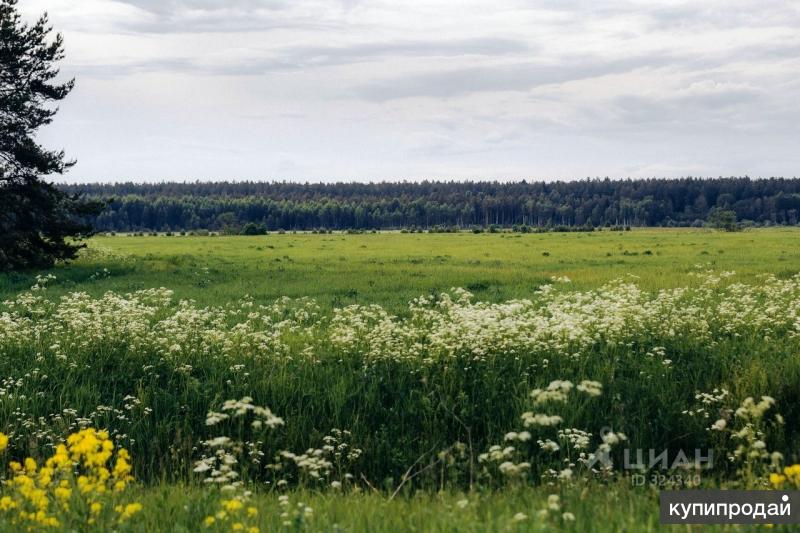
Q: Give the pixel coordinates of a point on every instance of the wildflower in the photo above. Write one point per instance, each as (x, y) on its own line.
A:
(3, 442)
(592, 388)
(530, 419)
(791, 475)
(556, 391)
(62, 493)
(777, 480)
(51, 488)
(127, 511)
(554, 502)
(232, 505)
(549, 445)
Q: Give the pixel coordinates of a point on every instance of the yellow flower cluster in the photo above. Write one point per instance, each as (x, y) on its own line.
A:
(76, 483)
(233, 515)
(790, 476)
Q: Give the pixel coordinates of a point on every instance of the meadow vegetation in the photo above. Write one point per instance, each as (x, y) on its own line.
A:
(392, 268)
(396, 381)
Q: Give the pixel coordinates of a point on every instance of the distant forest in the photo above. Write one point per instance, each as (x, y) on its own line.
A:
(270, 206)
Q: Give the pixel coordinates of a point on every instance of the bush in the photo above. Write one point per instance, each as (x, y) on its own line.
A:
(252, 228)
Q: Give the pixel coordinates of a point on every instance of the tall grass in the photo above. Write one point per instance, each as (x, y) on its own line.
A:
(402, 400)
(149, 368)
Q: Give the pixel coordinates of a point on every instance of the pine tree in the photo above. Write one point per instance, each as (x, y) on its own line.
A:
(39, 224)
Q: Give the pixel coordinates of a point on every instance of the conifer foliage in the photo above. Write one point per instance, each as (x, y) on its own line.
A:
(39, 224)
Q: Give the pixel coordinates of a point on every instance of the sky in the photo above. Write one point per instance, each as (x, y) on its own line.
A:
(312, 90)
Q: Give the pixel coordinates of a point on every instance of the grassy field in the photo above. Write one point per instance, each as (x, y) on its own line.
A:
(345, 407)
(392, 268)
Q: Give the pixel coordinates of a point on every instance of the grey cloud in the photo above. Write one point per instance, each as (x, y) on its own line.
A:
(724, 15)
(292, 58)
(236, 23)
(215, 16)
(451, 48)
(686, 110)
(175, 6)
(521, 76)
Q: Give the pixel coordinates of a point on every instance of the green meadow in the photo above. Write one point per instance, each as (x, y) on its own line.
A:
(391, 268)
(344, 408)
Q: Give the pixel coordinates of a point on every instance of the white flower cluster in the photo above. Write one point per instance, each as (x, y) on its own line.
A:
(151, 321)
(262, 416)
(503, 459)
(709, 401)
(556, 392)
(331, 463)
(513, 463)
(224, 456)
(551, 323)
(567, 323)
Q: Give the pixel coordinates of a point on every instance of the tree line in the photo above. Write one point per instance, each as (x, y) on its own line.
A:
(231, 206)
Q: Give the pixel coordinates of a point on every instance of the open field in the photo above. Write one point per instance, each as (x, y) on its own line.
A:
(507, 407)
(390, 269)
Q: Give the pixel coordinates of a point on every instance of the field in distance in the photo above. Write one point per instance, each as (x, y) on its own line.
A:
(391, 268)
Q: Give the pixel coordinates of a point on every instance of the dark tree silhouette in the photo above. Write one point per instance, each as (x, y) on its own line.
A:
(436, 205)
(37, 220)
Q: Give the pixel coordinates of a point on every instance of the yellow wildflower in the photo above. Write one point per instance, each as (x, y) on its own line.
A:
(128, 511)
(63, 493)
(7, 503)
(232, 505)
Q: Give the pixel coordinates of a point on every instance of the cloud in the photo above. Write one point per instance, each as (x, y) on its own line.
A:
(522, 76)
(351, 89)
(256, 62)
(224, 16)
(706, 101)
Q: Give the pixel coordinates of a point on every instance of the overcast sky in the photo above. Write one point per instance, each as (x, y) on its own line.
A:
(376, 90)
